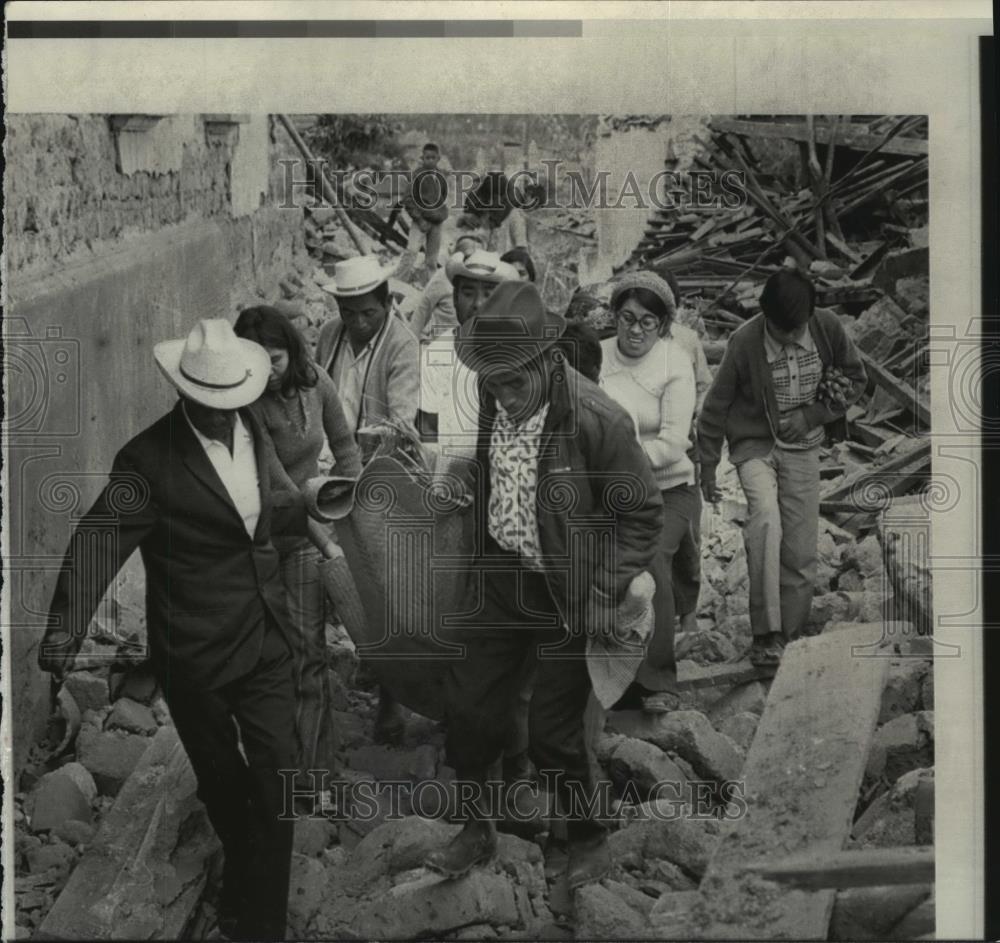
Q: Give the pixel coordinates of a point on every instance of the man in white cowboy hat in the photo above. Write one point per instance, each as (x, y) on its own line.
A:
(449, 399)
(199, 493)
(568, 517)
(372, 357)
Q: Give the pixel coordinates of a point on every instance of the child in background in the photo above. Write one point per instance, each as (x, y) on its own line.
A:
(768, 401)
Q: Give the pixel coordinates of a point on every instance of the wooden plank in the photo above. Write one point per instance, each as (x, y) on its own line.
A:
(890, 475)
(901, 392)
(692, 676)
(144, 873)
(877, 867)
(801, 781)
(798, 131)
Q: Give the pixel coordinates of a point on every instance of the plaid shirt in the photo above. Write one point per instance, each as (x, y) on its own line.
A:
(795, 373)
(513, 518)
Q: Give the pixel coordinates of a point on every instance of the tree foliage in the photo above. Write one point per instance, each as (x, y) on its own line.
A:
(355, 141)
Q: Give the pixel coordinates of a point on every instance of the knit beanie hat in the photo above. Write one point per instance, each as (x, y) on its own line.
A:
(652, 283)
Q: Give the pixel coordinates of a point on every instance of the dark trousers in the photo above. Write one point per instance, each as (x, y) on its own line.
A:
(658, 671)
(518, 619)
(243, 797)
(687, 565)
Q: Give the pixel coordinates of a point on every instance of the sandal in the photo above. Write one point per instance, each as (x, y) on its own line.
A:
(660, 702)
(766, 651)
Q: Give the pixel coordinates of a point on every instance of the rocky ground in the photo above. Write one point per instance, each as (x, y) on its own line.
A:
(359, 876)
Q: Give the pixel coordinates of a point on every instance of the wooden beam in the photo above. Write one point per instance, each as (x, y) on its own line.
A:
(692, 676)
(845, 137)
(901, 392)
(895, 476)
(801, 780)
(877, 867)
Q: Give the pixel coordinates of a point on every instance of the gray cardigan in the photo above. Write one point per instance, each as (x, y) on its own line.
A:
(392, 381)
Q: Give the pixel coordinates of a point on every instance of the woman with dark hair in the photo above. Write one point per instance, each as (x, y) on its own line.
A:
(522, 261)
(301, 410)
(651, 375)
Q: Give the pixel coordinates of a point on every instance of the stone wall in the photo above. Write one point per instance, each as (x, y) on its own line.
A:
(116, 239)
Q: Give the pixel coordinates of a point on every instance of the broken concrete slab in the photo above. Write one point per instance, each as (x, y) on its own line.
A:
(601, 914)
(312, 836)
(902, 694)
(905, 743)
(891, 820)
(305, 894)
(90, 691)
(690, 734)
(666, 830)
(110, 756)
(63, 794)
(750, 696)
(741, 728)
(140, 685)
(869, 913)
(643, 764)
(75, 832)
(131, 716)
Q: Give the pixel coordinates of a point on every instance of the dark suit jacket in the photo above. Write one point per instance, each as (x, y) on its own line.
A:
(209, 586)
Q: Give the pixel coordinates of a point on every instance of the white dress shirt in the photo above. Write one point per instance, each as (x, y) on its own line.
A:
(348, 372)
(237, 471)
(449, 390)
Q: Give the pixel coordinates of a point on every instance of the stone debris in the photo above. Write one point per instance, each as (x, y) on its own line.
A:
(132, 717)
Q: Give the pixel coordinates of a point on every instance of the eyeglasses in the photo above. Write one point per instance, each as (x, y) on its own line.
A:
(648, 322)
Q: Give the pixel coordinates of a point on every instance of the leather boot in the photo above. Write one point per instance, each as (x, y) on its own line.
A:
(589, 861)
(475, 844)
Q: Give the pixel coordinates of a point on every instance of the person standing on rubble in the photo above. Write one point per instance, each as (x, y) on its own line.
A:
(301, 410)
(374, 361)
(648, 372)
(555, 454)
(435, 312)
(425, 198)
(768, 401)
(492, 209)
(199, 493)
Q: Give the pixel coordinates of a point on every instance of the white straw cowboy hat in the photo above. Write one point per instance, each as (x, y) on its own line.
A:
(481, 265)
(358, 276)
(214, 367)
(613, 662)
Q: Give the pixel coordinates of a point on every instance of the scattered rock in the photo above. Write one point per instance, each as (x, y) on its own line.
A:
(110, 757)
(913, 294)
(132, 716)
(305, 893)
(689, 734)
(312, 835)
(139, 685)
(643, 764)
(927, 690)
(902, 692)
(903, 744)
(343, 659)
(869, 913)
(61, 795)
(339, 700)
(865, 557)
(56, 856)
(891, 820)
(75, 832)
(741, 728)
(737, 576)
(750, 697)
(90, 691)
(666, 832)
(161, 712)
(601, 914)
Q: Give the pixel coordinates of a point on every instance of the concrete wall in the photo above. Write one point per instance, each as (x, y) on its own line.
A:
(113, 243)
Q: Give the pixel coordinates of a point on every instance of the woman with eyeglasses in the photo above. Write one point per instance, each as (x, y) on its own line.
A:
(647, 372)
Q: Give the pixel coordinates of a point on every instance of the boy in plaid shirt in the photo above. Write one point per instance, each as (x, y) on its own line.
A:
(768, 402)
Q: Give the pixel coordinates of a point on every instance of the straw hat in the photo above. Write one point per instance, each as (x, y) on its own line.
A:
(613, 662)
(482, 266)
(357, 276)
(214, 367)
